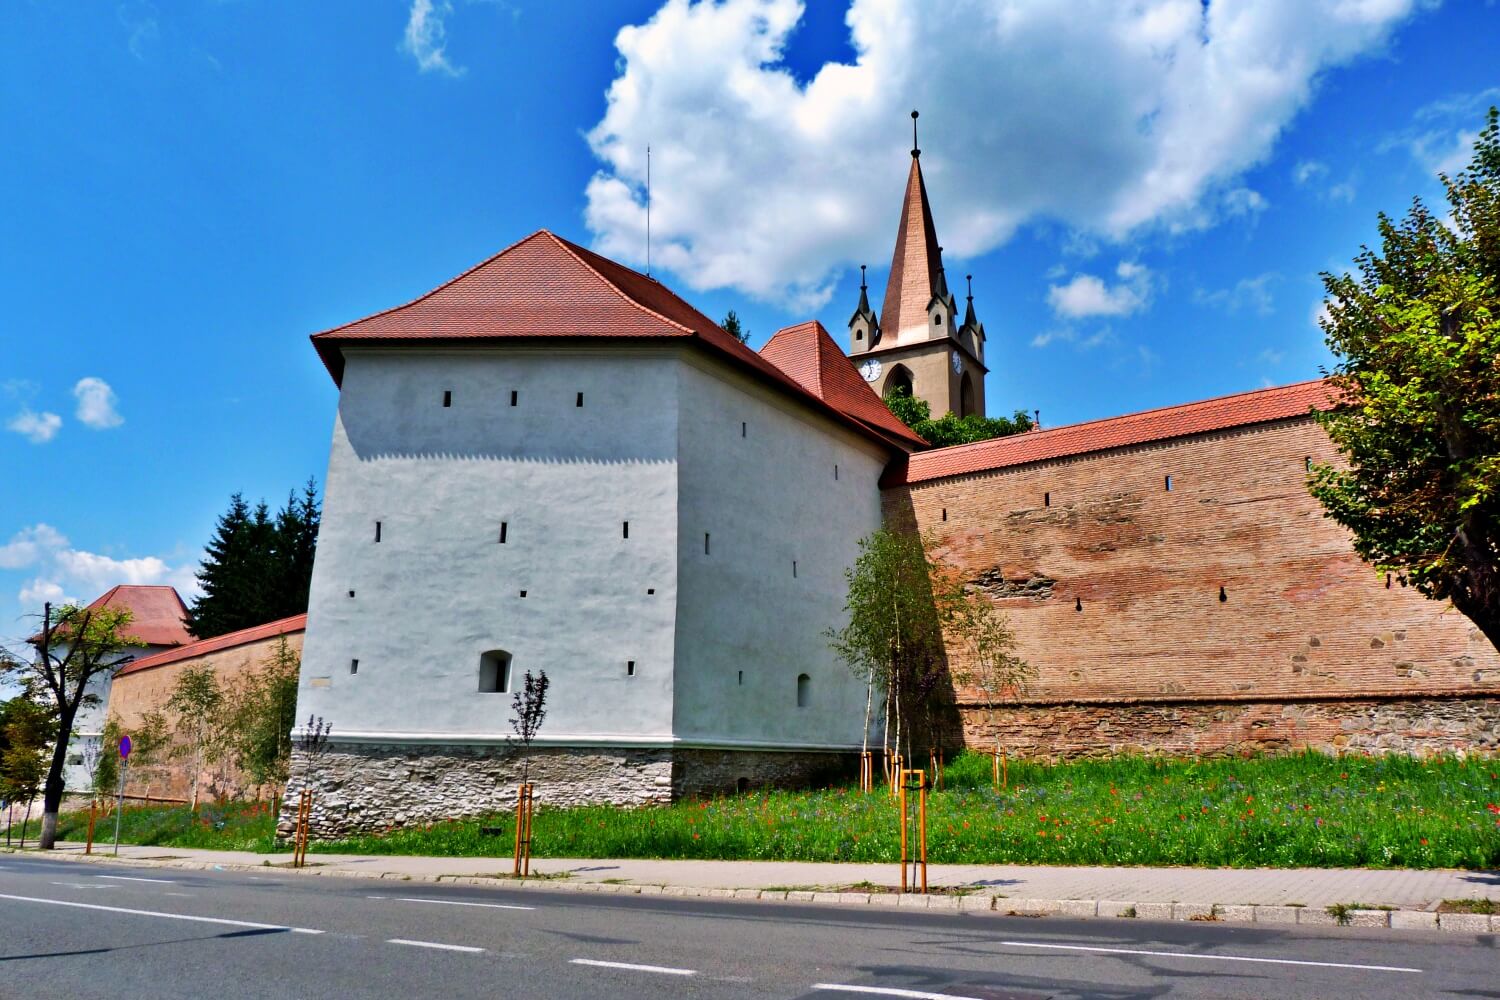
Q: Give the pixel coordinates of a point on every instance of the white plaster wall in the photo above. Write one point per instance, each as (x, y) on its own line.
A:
(766, 498)
(438, 589)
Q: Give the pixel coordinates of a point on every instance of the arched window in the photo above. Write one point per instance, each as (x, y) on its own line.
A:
(804, 690)
(494, 671)
(898, 379)
(966, 396)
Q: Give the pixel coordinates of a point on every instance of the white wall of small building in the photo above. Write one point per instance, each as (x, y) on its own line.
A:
(439, 589)
(657, 443)
(756, 473)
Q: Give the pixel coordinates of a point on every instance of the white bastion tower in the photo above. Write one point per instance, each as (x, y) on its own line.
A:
(554, 463)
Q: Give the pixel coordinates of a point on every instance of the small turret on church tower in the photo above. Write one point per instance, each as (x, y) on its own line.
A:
(917, 340)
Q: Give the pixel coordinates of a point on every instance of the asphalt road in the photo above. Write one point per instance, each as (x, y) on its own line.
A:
(80, 931)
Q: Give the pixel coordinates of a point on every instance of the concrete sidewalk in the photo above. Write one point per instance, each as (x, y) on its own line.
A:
(1392, 898)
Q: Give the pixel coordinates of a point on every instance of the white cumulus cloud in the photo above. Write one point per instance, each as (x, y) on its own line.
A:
(29, 545)
(426, 37)
(38, 428)
(1087, 295)
(1247, 293)
(1110, 118)
(96, 404)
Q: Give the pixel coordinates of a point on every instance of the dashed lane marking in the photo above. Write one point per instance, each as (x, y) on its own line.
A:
(132, 878)
(1208, 957)
(659, 969)
(154, 913)
(434, 944)
(83, 885)
(455, 902)
(888, 991)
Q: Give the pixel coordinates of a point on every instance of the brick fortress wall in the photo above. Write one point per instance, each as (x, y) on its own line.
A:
(1309, 647)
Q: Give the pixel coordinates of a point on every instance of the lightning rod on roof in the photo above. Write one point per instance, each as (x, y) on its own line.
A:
(648, 211)
(915, 149)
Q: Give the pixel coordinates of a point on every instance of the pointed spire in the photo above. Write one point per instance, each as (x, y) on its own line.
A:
(915, 276)
(970, 320)
(864, 311)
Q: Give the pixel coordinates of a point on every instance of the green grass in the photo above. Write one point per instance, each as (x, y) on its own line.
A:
(234, 826)
(1291, 811)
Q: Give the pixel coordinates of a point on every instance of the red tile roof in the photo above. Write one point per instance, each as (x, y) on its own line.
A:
(808, 354)
(1259, 406)
(156, 613)
(546, 287)
(229, 640)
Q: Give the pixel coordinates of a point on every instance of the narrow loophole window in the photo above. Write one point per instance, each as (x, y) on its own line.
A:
(1168, 483)
(742, 678)
(744, 429)
(804, 690)
(835, 472)
(1307, 463)
(514, 397)
(447, 397)
(794, 574)
(1223, 596)
(705, 543)
(945, 513)
(1077, 604)
(523, 593)
(354, 666)
(580, 400)
(377, 531)
(1046, 499)
(625, 529)
(629, 668)
(504, 530)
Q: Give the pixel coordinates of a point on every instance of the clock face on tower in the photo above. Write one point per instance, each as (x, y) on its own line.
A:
(870, 369)
(957, 362)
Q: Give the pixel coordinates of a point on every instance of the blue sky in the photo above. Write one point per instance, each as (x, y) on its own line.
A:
(1144, 197)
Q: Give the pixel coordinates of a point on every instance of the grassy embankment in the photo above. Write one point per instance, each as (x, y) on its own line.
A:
(1303, 810)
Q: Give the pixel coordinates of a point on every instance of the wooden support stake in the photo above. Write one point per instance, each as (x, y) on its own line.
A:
(89, 847)
(915, 781)
(866, 771)
(525, 809)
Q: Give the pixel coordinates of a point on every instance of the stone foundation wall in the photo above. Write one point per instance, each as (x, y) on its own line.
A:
(361, 788)
(1469, 724)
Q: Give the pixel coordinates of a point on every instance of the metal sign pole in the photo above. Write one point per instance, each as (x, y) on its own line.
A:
(120, 794)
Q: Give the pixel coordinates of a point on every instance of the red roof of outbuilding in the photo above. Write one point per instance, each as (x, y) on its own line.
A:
(546, 287)
(296, 623)
(808, 354)
(157, 614)
(1259, 406)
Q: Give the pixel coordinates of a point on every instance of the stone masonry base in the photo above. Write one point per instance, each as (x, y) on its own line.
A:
(364, 788)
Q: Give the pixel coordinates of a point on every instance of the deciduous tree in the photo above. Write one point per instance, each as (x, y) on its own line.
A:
(76, 645)
(950, 429)
(1416, 335)
(199, 732)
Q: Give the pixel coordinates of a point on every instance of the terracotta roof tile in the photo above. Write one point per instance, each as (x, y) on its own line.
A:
(157, 613)
(1259, 406)
(808, 354)
(545, 286)
(296, 623)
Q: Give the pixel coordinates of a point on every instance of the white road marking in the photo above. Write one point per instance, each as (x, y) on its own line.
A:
(889, 991)
(83, 885)
(455, 902)
(434, 944)
(131, 878)
(1211, 958)
(662, 969)
(154, 913)
(181, 895)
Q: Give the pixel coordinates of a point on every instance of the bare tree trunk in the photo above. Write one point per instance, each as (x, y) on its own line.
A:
(869, 703)
(53, 791)
(24, 820)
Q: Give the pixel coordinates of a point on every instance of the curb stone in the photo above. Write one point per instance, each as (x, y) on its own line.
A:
(1400, 919)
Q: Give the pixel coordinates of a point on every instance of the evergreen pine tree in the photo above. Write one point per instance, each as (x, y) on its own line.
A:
(258, 567)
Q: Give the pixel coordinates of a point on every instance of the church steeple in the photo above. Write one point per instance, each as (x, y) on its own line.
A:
(916, 344)
(916, 275)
